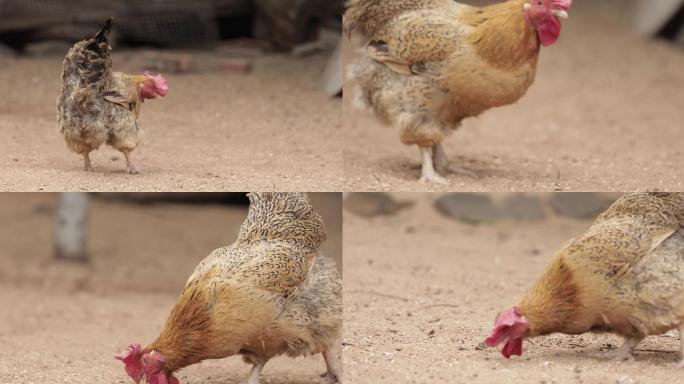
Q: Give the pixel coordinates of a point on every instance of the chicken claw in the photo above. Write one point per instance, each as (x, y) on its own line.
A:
(331, 379)
(434, 178)
(428, 173)
(132, 169)
(624, 353)
(442, 164)
(256, 372)
(87, 165)
(333, 360)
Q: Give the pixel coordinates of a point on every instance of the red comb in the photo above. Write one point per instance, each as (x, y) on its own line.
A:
(132, 363)
(507, 319)
(563, 4)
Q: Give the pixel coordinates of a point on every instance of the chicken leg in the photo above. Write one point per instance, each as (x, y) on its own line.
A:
(428, 173)
(333, 360)
(87, 165)
(624, 353)
(256, 371)
(132, 169)
(442, 163)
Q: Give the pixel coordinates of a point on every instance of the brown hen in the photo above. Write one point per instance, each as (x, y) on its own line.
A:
(429, 64)
(267, 294)
(624, 275)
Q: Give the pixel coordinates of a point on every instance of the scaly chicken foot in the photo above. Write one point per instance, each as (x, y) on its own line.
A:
(256, 372)
(132, 169)
(443, 165)
(87, 165)
(624, 353)
(333, 360)
(428, 173)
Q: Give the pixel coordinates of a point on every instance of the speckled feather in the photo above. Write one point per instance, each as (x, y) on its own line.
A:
(97, 105)
(626, 273)
(430, 64)
(267, 294)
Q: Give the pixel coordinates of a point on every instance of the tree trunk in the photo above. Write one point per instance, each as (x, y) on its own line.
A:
(71, 227)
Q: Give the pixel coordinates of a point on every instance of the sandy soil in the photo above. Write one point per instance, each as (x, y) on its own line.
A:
(422, 292)
(269, 130)
(62, 323)
(604, 115)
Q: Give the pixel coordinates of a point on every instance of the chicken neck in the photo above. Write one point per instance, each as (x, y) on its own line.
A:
(502, 36)
(551, 305)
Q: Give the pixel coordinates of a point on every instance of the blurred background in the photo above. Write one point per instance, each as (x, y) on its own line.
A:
(84, 275)
(118, 240)
(282, 24)
(234, 29)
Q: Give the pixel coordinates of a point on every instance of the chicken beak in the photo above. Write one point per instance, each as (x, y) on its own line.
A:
(527, 6)
(560, 13)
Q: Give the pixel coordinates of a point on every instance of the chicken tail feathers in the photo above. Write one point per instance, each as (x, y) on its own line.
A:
(282, 216)
(102, 37)
(93, 58)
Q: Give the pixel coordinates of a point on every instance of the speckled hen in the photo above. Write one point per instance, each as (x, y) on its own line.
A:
(429, 64)
(98, 106)
(624, 275)
(267, 294)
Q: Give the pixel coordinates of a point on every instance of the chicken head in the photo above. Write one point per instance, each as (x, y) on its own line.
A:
(154, 86)
(132, 362)
(150, 366)
(155, 372)
(510, 327)
(545, 16)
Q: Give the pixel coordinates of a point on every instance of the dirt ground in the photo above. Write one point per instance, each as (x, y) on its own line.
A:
(422, 292)
(219, 131)
(62, 323)
(604, 115)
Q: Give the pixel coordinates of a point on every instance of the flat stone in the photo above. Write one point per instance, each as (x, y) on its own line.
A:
(469, 207)
(580, 205)
(523, 207)
(373, 204)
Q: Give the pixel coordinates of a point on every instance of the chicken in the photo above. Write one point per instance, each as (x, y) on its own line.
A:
(430, 64)
(267, 294)
(97, 105)
(624, 275)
